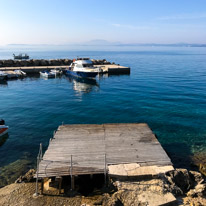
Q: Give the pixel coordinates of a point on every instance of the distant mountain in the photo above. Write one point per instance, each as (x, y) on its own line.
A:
(163, 45)
(101, 42)
(98, 42)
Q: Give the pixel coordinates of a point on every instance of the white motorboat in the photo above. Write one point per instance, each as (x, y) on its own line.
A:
(57, 71)
(83, 67)
(47, 74)
(3, 128)
(3, 75)
(20, 73)
(11, 74)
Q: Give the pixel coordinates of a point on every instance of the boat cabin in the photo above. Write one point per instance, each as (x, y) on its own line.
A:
(82, 63)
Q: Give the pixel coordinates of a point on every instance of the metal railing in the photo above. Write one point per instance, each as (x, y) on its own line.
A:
(39, 158)
(71, 164)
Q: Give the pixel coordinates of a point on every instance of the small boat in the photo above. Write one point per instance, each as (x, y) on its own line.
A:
(11, 74)
(21, 56)
(3, 76)
(57, 71)
(47, 74)
(83, 67)
(3, 128)
(20, 73)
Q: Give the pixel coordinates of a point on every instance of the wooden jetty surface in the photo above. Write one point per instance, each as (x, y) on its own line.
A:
(90, 149)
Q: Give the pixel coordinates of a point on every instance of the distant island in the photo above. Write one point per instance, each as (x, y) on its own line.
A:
(102, 42)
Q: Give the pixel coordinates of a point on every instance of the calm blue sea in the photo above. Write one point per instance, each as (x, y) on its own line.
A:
(166, 89)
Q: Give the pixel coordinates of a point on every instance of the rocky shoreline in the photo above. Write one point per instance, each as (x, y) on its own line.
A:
(177, 187)
(45, 62)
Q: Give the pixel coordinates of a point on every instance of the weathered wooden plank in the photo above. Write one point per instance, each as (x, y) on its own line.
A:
(93, 145)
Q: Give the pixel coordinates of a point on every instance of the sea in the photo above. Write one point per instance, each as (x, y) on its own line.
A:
(166, 89)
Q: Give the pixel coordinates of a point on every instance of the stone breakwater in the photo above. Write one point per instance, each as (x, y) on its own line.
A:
(45, 62)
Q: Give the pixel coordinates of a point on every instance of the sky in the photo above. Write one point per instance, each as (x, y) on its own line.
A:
(77, 21)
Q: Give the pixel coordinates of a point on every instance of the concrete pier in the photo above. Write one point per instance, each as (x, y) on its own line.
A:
(114, 69)
(32, 69)
(37, 65)
(110, 69)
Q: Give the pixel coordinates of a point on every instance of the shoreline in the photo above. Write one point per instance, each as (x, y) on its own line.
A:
(177, 187)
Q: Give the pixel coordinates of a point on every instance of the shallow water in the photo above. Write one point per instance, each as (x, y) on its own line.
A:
(166, 89)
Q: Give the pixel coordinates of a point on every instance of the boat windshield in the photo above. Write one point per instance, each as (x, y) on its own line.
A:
(87, 65)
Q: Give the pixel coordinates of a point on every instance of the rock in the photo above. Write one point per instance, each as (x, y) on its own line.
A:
(180, 180)
(202, 169)
(196, 177)
(67, 61)
(28, 177)
(111, 201)
(44, 62)
(54, 62)
(36, 62)
(199, 190)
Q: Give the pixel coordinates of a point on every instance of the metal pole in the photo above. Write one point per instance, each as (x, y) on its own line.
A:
(71, 174)
(40, 151)
(37, 170)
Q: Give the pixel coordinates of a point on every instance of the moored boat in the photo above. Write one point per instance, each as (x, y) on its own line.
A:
(47, 74)
(57, 71)
(3, 128)
(21, 56)
(3, 75)
(83, 67)
(11, 74)
(20, 73)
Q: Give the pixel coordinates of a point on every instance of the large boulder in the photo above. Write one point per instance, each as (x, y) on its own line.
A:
(36, 62)
(8, 63)
(44, 62)
(181, 181)
(54, 62)
(28, 177)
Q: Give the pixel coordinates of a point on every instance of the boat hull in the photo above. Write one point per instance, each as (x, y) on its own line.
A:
(2, 77)
(82, 74)
(3, 130)
(47, 75)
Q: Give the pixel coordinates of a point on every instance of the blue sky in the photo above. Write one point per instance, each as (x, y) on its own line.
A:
(77, 21)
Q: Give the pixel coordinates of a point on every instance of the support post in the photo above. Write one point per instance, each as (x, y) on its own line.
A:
(105, 170)
(72, 182)
(60, 185)
(72, 177)
(42, 186)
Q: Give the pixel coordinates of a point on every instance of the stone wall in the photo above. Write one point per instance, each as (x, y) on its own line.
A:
(43, 62)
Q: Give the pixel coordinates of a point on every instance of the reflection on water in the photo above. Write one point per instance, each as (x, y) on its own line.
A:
(82, 84)
(3, 139)
(3, 83)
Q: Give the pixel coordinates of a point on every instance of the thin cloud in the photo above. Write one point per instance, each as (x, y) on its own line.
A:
(131, 27)
(183, 17)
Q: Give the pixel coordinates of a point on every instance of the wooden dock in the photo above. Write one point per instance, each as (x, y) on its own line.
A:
(93, 149)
